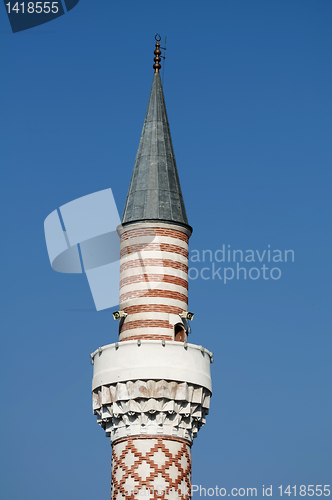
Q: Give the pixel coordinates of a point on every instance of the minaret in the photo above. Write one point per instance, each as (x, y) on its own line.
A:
(151, 390)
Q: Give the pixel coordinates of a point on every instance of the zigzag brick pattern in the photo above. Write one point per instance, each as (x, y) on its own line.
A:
(153, 467)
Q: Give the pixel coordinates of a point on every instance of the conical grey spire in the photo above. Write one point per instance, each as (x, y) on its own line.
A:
(154, 192)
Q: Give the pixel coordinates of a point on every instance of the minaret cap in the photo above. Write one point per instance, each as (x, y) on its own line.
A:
(157, 54)
(155, 193)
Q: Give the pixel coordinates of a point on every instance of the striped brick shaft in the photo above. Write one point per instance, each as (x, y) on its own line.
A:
(153, 279)
(151, 466)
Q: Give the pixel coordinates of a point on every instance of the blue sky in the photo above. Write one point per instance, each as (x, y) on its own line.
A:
(248, 92)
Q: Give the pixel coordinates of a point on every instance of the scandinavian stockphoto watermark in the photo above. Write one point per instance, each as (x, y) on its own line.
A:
(82, 237)
(197, 490)
(182, 491)
(226, 264)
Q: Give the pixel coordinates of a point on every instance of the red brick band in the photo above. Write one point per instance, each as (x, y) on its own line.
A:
(153, 262)
(145, 323)
(168, 294)
(170, 233)
(161, 247)
(153, 308)
(154, 278)
(148, 337)
(153, 436)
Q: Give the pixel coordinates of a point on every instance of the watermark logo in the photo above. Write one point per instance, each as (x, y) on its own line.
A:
(81, 236)
(197, 490)
(183, 492)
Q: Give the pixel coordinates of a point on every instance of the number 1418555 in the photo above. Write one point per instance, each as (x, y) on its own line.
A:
(33, 7)
(304, 490)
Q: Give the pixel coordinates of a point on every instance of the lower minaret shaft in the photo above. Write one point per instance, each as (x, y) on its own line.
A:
(151, 466)
(151, 397)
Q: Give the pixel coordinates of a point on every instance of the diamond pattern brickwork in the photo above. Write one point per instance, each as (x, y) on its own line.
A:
(156, 467)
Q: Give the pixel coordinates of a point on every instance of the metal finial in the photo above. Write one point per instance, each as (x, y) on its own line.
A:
(157, 54)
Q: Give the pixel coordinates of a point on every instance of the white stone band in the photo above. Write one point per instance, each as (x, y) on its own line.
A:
(152, 360)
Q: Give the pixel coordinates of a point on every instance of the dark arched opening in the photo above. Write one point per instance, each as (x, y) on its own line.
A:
(179, 333)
